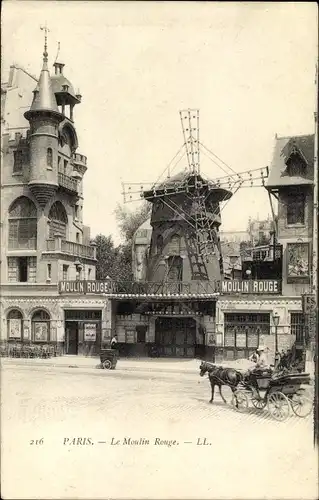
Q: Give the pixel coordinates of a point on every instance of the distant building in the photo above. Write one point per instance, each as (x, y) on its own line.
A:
(257, 232)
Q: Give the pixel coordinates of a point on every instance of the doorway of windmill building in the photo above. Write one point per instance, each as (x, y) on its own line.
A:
(71, 337)
(175, 337)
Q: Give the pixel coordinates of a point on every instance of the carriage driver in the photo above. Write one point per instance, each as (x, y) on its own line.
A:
(262, 361)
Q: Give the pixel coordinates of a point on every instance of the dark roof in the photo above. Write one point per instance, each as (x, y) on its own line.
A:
(44, 98)
(284, 147)
(185, 180)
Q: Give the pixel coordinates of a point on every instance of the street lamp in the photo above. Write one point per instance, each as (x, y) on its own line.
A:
(276, 319)
(248, 273)
(78, 267)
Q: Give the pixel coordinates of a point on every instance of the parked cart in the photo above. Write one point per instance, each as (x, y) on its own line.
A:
(109, 358)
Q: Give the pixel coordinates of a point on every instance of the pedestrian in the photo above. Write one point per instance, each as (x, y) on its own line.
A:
(114, 342)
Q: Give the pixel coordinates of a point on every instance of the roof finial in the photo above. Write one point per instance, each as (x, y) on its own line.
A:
(45, 52)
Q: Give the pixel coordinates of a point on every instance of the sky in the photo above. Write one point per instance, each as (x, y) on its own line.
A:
(248, 67)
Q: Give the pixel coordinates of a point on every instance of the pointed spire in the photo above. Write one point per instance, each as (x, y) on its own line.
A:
(43, 95)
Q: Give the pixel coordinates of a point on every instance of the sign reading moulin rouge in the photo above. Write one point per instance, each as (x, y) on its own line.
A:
(252, 286)
(84, 287)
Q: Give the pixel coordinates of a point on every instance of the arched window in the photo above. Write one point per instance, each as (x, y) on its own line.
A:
(174, 245)
(49, 158)
(22, 224)
(58, 221)
(15, 325)
(40, 324)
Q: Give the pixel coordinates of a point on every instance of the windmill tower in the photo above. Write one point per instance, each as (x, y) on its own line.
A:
(186, 215)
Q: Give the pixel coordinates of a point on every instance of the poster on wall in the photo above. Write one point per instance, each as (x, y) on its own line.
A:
(41, 331)
(15, 328)
(106, 334)
(90, 332)
(298, 260)
(26, 333)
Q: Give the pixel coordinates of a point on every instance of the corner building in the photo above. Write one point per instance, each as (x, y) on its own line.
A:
(243, 318)
(43, 238)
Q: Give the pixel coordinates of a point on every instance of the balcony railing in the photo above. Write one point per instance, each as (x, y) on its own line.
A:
(15, 244)
(71, 248)
(78, 158)
(262, 253)
(159, 288)
(67, 183)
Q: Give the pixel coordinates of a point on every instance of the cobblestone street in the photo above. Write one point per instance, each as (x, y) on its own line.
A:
(74, 413)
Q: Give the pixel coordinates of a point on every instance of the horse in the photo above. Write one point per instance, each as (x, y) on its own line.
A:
(218, 375)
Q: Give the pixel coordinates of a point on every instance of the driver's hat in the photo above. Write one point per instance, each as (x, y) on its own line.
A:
(261, 348)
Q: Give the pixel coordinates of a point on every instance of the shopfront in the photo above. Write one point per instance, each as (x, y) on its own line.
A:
(83, 331)
(243, 332)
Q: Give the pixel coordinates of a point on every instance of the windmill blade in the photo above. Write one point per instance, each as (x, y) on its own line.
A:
(190, 126)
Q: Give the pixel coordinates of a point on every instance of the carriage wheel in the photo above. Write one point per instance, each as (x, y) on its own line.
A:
(301, 403)
(107, 365)
(278, 406)
(240, 401)
(259, 403)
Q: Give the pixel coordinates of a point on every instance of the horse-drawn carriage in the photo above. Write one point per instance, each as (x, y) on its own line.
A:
(280, 393)
(279, 390)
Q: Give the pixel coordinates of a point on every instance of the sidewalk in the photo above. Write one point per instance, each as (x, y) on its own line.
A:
(124, 364)
(177, 365)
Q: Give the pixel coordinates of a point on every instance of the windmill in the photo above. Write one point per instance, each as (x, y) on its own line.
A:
(189, 203)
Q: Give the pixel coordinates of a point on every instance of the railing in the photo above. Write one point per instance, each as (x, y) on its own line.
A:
(78, 158)
(71, 248)
(159, 288)
(15, 244)
(67, 182)
(262, 253)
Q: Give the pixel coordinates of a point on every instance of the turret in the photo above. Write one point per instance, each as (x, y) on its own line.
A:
(44, 118)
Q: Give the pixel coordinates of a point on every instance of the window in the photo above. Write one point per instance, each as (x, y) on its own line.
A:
(17, 162)
(296, 208)
(22, 225)
(49, 158)
(49, 271)
(23, 269)
(40, 324)
(77, 237)
(65, 272)
(89, 273)
(58, 221)
(59, 164)
(14, 324)
(296, 165)
(174, 245)
(297, 326)
(76, 211)
(65, 167)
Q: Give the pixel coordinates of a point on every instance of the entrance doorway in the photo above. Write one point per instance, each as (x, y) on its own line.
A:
(175, 337)
(72, 337)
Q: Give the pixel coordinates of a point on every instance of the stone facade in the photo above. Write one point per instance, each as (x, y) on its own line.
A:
(43, 237)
